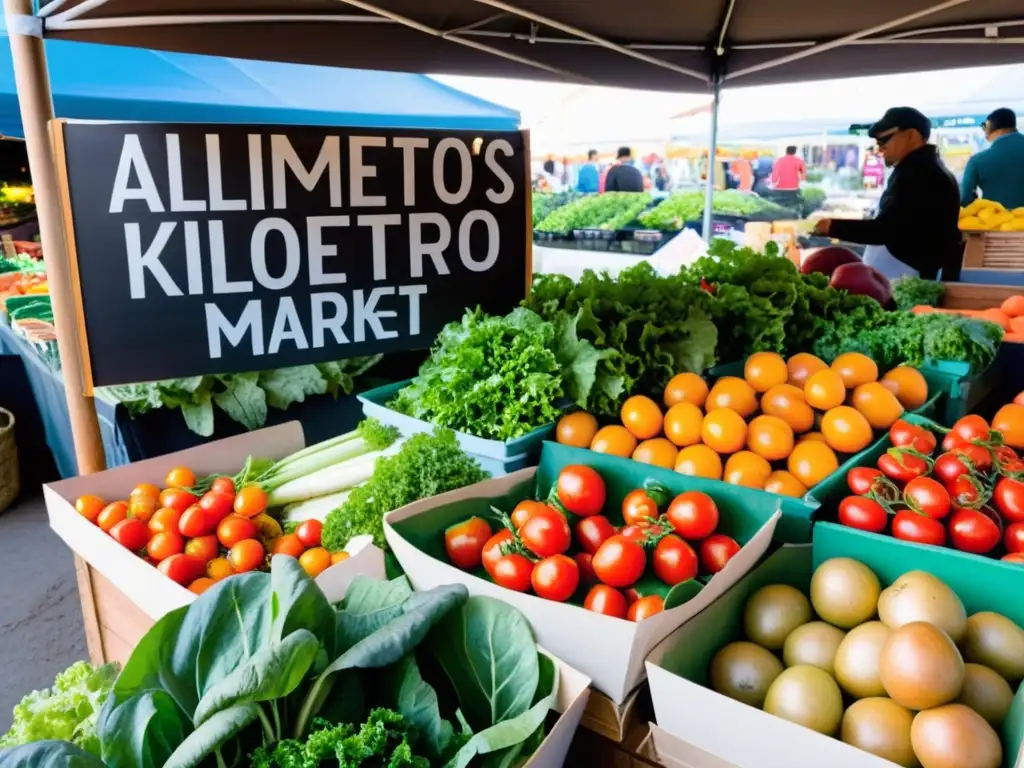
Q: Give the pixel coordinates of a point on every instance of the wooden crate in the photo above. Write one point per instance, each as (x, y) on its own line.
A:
(977, 296)
(114, 625)
(994, 250)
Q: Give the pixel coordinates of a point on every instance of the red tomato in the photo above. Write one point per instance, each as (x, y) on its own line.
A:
(555, 578)
(863, 514)
(464, 542)
(977, 456)
(592, 532)
(223, 485)
(309, 532)
(216, 505)
(1015, 557)
(862, 479)
(948, 467)
(639, 507)
(965, 491)
(674, 560)
(925, 495)
(903, 434)
(131, 534)
(619, 562)
(204, 548)
(165, 544)
(581, 490)
(952, 442)
(491, 552)
(971, 427)
(233, 529)
(523, 511)
(111, 515)
(693, 515)
(1013, 539)
(900, 466)
(645, 607)
(288, 544)
(513, 572)
(973, 531)
(181, 569)
(910, 526)
(1009, 498)
(193, 523)
(635, 533)
(546, 533)
(716, 551)
(250, 501)
(606, 600)
(176, 498)
(585, 563)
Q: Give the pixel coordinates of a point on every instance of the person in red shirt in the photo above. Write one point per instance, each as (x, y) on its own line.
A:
(789, 171)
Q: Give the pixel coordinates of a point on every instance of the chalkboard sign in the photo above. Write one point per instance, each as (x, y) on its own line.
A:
(222, 248)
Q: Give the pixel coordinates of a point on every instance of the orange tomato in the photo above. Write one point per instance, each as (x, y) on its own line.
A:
(1010, 421)
(250, 501)
(764, 370)
(686, 388)
(699, 461)
(802, 366)
(811, 462)
(246, 555)
(111, 515)
(813, 437)
(787, 402)
(177, 498)
(909, 386)
(315, 561)
(855, 369)
(657, 451)
(770, 437)
(732, 392)
(724, 430)
(142, 507)
(747, 469)
(180, 477)
(614, 440)
(825, 389)
(233, 529)
(201, 584)
(682, 424)
(219, 568)
(645, 607)
(1013, 306)
(877, 404)
(1019, 399)
(164, 519)
(339, 557)
(145, 489)
(89, 507)
(288, 544)
(164, 545)
(202, 548)
(641, 416)
(846, 430)
(783, 483)
(576, 429)
(781, 396)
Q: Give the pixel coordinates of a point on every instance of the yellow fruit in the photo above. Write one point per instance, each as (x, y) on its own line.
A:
(997, 221)
(764, 370)
(658, 451)
(686, 388)
(877, 404)
(770, 437)
(846, 430)
(783, 483)
(971, 224)
(576, 429)
(747, 469)
(802, 366)
(816, 437)
(724, 430)
(732, 392)
(1018, 212)
(811, 462)
(699, 461)
(641, 416)
(682, 424)
(909, 386)
(974, 207)
(787, 402)
(855, 369)
(614, 440)
(825, 389)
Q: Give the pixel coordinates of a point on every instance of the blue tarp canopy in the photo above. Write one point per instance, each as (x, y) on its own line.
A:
(104, 82)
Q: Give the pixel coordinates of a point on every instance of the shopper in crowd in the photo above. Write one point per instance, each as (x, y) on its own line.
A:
(554, 183)
(999, 170)
(743, 172)
(623, 175)
(589, 180)
(661, 179)
(915, 231)
(789, 171)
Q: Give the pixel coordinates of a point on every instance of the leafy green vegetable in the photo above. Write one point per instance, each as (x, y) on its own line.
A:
(910, 292)
(546, 202)
(68, 711)
(612, 210)
(425, 466)
(49, 754)
(680, 207)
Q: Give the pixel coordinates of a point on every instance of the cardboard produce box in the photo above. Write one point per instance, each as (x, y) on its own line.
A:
(700, 728)
(610, 651)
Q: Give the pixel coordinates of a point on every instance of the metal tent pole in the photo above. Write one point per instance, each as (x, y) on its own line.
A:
(709, 192)
(33, 84)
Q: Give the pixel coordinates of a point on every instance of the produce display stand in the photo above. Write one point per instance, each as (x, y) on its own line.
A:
(994, 250)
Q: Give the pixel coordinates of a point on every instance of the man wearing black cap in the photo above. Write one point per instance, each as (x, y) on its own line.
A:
(999, 170)
(915, 231)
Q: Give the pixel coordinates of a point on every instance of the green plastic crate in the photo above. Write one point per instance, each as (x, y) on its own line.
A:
(962, 390)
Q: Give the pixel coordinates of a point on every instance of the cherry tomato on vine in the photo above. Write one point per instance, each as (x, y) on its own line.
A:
(965, 491)
(693, 515)
(546, 533)
(901, 466)
(1009, 499)
(716, 551)
(581, 490)
(645, 607)
(513, 572)
(176, 498)
(555, 578)
(863, 514)
(131, 533)
(1013, 539)
(592, 532)
(862, 479)
(674, 560)
(910, 526)
(491, 552)
(464, 542)
(973, 531)
(638, 506)
(524, 509)
(585, 563)
(948, 467)
(971, 427)
(619, 562)
(952, 442)
(194, 522)
(223, 485)
(978, 456)
(606, 600)
(927, 496)
(233, 529)
(903, 434)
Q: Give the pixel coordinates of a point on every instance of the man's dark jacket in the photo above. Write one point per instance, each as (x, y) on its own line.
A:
(917, 217)
(627, 178)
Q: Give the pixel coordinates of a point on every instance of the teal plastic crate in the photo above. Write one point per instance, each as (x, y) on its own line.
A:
(962, 391)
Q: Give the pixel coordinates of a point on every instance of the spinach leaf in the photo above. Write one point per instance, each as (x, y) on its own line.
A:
(48, 754)
(213, 733)
(417, 701)
(369, 604)
(488, 652)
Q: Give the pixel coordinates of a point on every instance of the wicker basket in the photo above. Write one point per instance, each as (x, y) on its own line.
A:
(10, 480)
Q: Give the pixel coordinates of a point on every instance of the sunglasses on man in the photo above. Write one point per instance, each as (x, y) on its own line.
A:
(883, 139)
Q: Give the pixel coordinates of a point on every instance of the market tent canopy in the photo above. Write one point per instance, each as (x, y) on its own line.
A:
(658, 44)
(100, 82)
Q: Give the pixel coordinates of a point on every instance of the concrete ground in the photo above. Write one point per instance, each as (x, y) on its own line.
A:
(40, 618)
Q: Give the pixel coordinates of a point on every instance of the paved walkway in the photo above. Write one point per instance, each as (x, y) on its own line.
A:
(40, 618)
